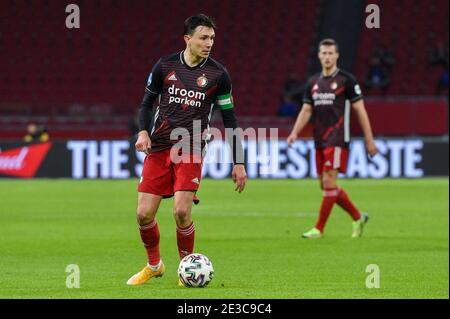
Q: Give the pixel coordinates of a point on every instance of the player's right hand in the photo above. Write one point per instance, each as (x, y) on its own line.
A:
(143, 142)
(291, 139)
(371, 148)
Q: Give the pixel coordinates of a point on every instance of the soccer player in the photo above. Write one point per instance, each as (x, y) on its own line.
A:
(185, 86)
(325, 102)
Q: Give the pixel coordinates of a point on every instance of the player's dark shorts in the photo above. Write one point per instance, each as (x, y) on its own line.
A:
(161, 176)
(331, 158)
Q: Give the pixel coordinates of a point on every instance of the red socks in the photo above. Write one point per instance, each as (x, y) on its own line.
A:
(185, 240)
(344, 202)
(150, 238)
(339, 196)
(329, 198)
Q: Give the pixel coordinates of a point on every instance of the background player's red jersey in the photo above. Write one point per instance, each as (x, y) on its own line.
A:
(331, 113)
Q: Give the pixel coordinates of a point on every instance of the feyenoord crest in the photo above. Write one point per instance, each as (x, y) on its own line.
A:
(334, 86)
(202, 81)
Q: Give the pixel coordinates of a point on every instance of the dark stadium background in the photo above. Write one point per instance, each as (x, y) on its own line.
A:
(87, 83)
(71, 200)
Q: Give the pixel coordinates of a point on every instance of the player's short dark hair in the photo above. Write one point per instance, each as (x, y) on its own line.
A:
(328, 42)
(193, 22)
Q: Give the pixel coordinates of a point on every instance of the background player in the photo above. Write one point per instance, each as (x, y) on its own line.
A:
(325, 101)
(188, 84)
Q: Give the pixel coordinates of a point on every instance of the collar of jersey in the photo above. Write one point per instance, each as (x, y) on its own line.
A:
(332, 75)
(191, 67)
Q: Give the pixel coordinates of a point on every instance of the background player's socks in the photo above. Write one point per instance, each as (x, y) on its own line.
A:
(185, 240)
(150, 238)
(328, 200)
(344, 201)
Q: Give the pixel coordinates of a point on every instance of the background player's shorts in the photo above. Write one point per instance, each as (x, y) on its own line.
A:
(331, 158)
(160, 176)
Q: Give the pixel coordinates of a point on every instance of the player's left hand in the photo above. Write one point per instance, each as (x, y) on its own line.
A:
(291, 139)
(239, 177)
(371, 148)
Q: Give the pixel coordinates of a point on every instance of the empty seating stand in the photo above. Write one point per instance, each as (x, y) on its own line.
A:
(99, 71)
(48, 67)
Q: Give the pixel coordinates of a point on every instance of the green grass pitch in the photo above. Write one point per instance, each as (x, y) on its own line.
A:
(253, 240)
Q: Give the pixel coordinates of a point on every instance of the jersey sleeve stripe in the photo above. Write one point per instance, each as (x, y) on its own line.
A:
(224, 101)
(148, 90)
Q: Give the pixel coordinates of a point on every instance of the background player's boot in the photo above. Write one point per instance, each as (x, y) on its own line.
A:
(145, 275)
(313, 233)
(358, 225)
(180, 284)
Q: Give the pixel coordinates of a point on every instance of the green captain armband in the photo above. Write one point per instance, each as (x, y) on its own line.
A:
(225, 101)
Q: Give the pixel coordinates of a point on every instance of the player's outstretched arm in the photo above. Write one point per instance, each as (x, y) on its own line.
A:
(146, 112)
(143, 142)
(300, 123)
(364, 121)
(232, 132)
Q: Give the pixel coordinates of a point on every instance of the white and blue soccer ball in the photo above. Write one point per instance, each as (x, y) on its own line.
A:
(195, 270)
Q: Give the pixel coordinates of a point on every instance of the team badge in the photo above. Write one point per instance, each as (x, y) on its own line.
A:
(202, 81)
(334, 85)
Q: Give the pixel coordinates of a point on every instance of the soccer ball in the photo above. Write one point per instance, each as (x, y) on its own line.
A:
(195, 270)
